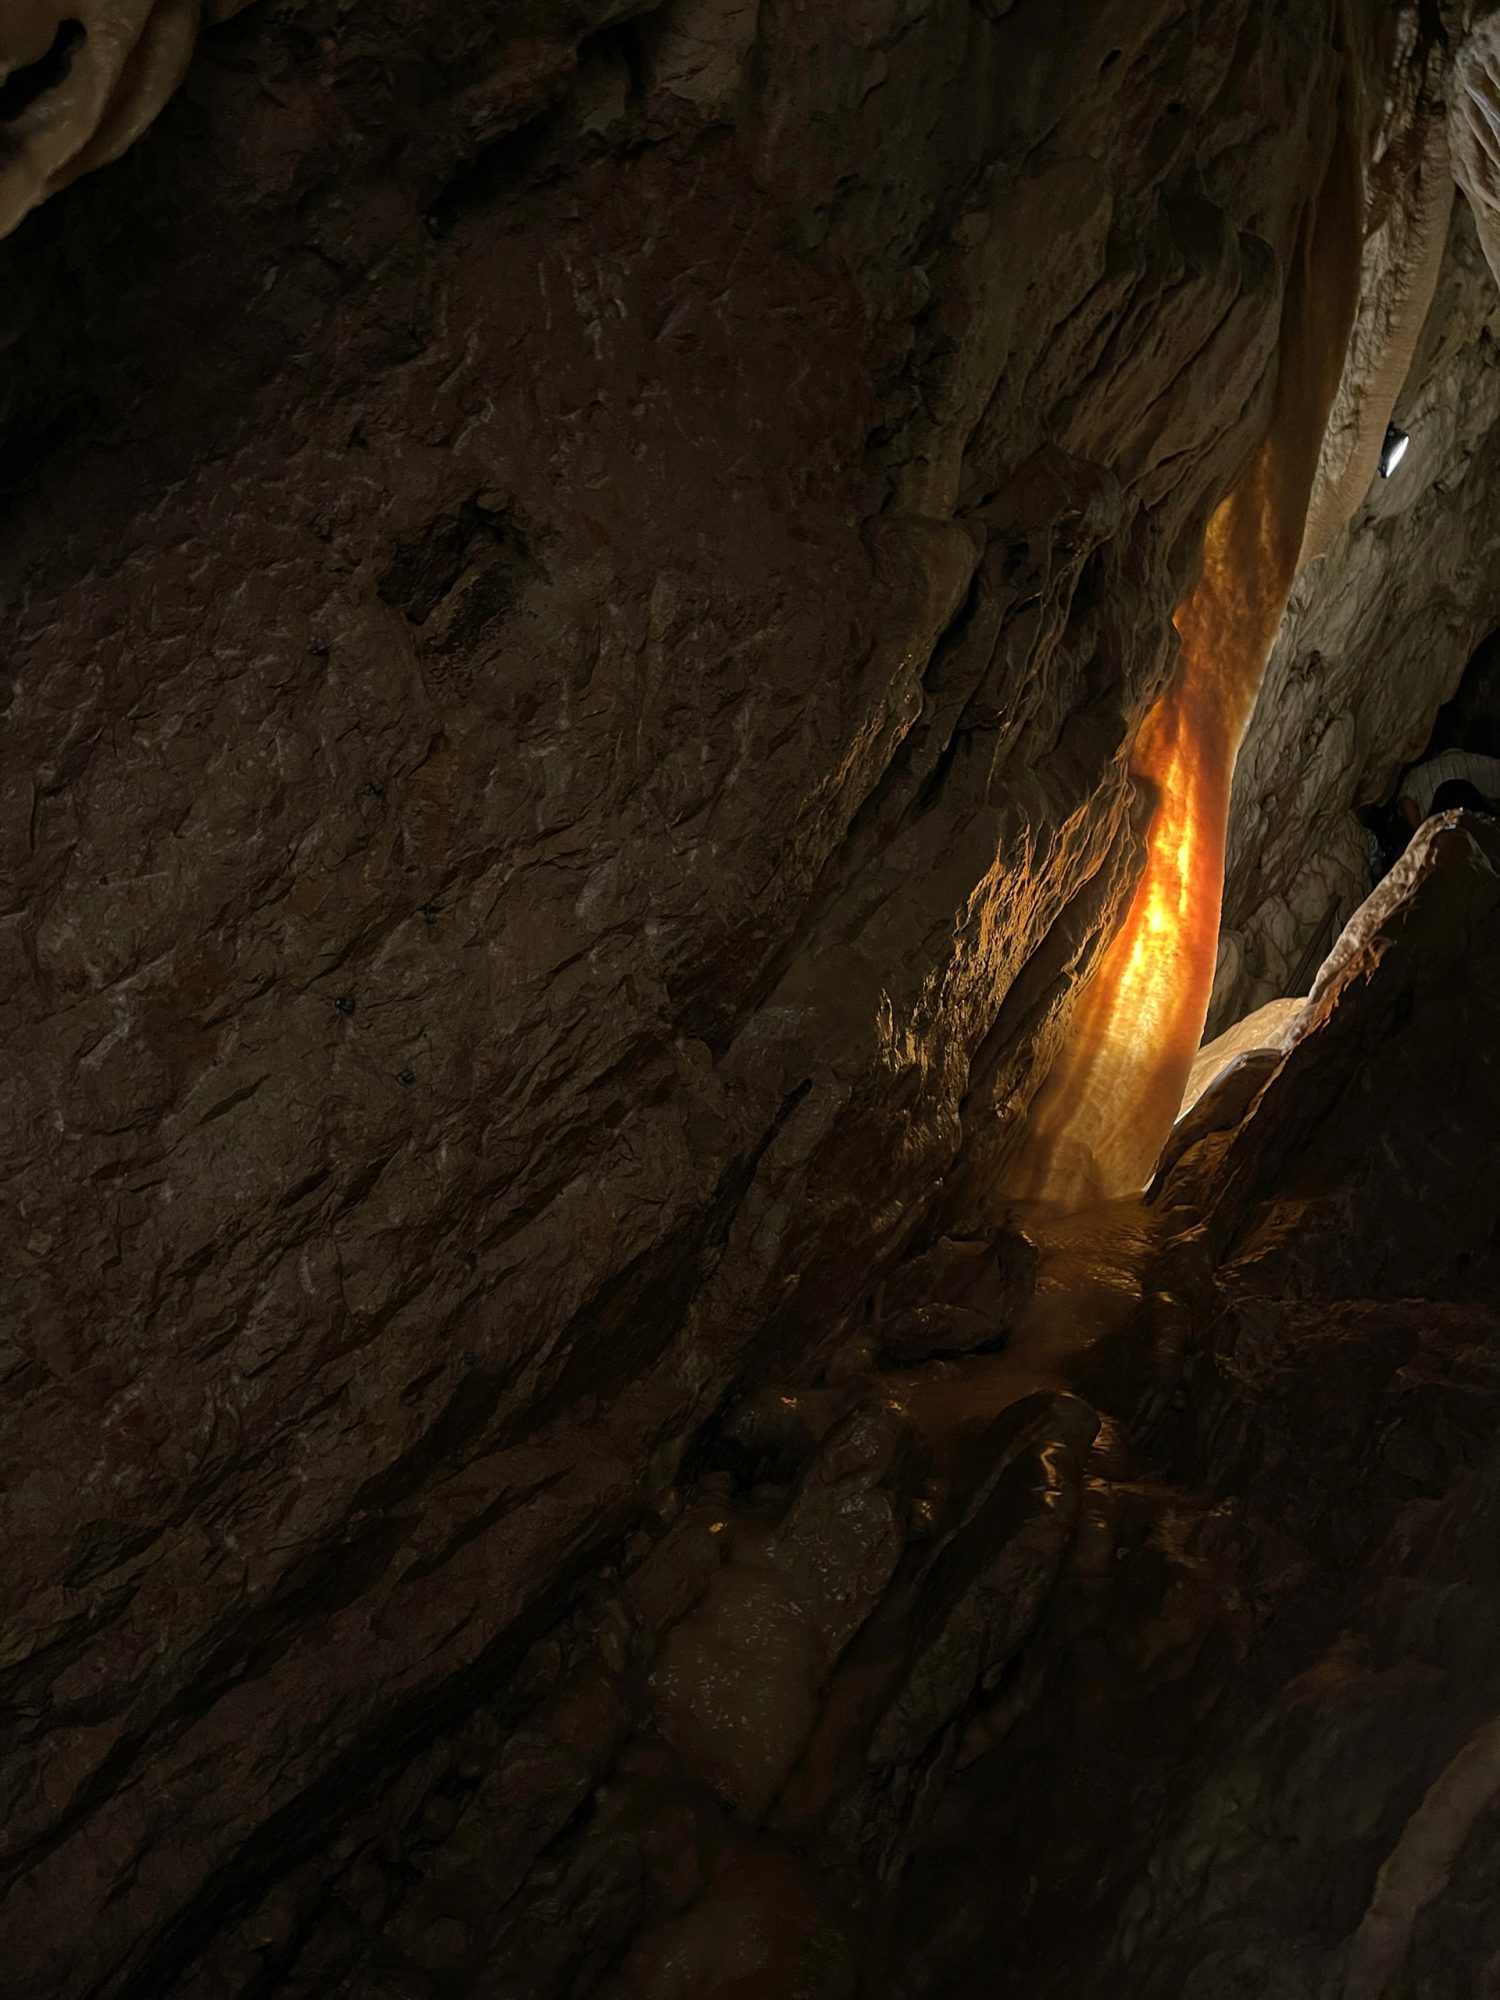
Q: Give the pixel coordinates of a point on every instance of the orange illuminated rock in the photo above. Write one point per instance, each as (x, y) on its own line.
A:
(1109, 1101)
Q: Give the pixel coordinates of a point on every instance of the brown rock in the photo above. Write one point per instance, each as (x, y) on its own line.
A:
(580, 585)
(923, 1331)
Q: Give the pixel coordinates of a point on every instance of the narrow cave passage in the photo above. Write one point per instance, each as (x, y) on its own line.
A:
(1105, 1110)
(630, 632)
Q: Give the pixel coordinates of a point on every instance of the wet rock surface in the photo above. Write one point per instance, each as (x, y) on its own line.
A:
(1154, 1655)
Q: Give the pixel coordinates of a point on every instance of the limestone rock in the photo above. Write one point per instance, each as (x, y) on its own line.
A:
(923, 1331)
(1268, 1764)
(1376, 638)
(579, 583)
(1264, 1030)
(79, 83)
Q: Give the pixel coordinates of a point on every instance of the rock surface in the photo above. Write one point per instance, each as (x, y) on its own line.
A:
(1258, 1032)
(580, 583)
(1376, 638)
(80, 80)
(1275, 1688)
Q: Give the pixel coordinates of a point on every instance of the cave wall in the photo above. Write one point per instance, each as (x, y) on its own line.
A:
(1376, 638)
(580, 586)
(1262, 1763)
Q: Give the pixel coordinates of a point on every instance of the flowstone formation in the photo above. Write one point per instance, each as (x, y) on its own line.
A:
(1272, 1677)
(1099, 1120)
(80, 81)
(584, 594)
(1361, 291)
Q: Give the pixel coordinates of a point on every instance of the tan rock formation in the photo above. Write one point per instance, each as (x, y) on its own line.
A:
(82, 83)
(1265, 1029)
(1101, 1118)
(1408, 197)
(1108, 1103)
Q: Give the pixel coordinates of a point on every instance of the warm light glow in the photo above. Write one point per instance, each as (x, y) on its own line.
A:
(1096, 1121)
(1100, 1119)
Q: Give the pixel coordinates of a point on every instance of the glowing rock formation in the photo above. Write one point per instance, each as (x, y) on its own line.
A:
(1109, 1101)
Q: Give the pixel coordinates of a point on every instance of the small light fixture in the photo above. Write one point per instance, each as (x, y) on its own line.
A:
(1393, 450)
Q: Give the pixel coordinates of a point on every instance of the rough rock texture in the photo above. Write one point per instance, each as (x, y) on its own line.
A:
(580, 582)
(1274, 1685)
(563, 750)
(1474, 102)
(947, 1684)
(1408, 199)
(1379, 1111)
(1375, 639)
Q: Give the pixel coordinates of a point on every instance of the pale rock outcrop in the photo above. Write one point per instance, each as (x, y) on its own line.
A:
(1379, 630)
(1474, 125)
(1408, 192)
(80, 80)
(1266, 1028)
